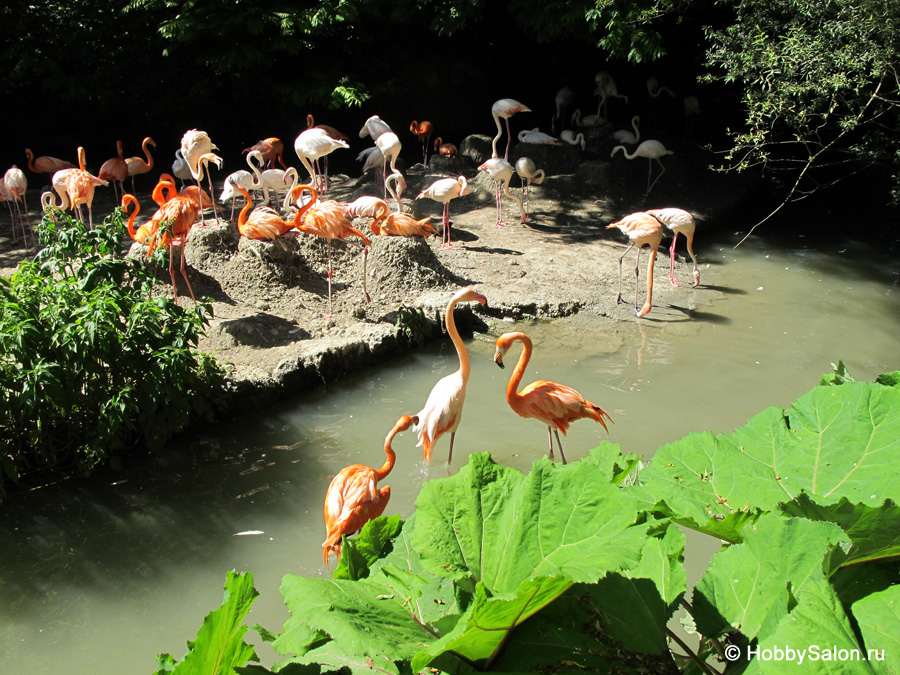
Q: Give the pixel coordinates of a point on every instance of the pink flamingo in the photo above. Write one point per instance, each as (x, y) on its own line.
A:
(505, 108)
(16, 185)
(115, 170)
(80, 186)
(678, 221)
(313, 144)
(641, 229)
(46, 164)
(139, 165)
(443, 191)
(443, 409)
(501, 172)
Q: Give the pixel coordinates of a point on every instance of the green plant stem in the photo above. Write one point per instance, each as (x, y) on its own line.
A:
(706, 668)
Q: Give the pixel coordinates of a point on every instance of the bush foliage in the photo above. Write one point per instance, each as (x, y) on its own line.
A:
(92, 363)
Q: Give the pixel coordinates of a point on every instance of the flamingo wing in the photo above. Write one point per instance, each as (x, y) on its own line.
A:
(442, 411)
(556, 405)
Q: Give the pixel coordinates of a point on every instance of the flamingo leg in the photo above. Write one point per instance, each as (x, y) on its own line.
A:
(330, 306)
(559, 443)
(661, 166)
(172, 273)
(366, 295)
(690, 247)
(672, 278)
(637, 264)
(648, 304)
(500, 222)
(450, 454)
(619, 300)
(446, 222)
(184, 272)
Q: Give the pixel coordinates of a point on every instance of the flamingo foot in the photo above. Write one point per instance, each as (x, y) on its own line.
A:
(447, 245)
(500, 223)
(620, 300)
(674, 281)
(696, 279)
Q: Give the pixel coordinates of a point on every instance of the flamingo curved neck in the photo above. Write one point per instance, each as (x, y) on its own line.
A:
(512, 388)
(388, 465)
(497, 137)
(464, 367)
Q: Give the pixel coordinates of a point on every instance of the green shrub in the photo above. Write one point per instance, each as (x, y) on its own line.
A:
(90, 362)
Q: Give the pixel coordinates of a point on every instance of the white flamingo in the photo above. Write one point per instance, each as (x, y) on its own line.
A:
(651, 149)
(501, 172)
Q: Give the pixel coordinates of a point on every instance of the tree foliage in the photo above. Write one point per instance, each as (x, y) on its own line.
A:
(819, 83)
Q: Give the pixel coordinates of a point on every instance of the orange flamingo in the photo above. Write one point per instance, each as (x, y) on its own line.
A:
(443, 409)
(46, 164)
(264, 223)
(138, 165)
(400, 224)
(328, 219)
(447, 150)
(445, 190)
(354, 498)
(678, 221)
(505, 108)
(140, 235)
(170, 226)
(554, 404)
(80, 186)
(271, 150)
(115, 170)
(423, 130)
(641, 228)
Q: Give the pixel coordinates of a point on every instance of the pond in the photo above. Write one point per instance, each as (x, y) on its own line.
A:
(101, 574)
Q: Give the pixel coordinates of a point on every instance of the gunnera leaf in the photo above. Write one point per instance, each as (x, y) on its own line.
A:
(878, 616)
(832, 443)
(373, 542)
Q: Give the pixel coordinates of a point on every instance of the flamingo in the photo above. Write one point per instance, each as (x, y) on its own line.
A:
(138, 165)
(140, 235)
(203, 165)
(678, 221)
(691, 108)
(505, 108)
(313, 144)
(655, 90)
(443, 409)
(423, 130)
(197, 150)
(445, 190)
(80, 184)
(271, 179)
(606, 89)
(16, 185)
(328, 219)
(554, 404)
(651, 149)
(572, 138)
(564, 98)
(528, 173)
(366, 207)
(536, 137)
(180, 167)
(396, 192)
(447, 150)
(389, 144)
(59, 186)
(271, 149)
(399, 224)
(265, 223)
(374, 127)
(353, 497)
(501, 172)
(240, 178)
(588, 121)
(625, 136)
(46, 164)
(115, 170)
(331, 131)
(641, 228)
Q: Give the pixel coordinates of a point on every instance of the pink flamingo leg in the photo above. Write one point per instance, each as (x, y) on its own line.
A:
(672, 278)
(446, 223)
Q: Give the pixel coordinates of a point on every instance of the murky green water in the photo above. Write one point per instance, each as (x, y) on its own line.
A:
(98, 576)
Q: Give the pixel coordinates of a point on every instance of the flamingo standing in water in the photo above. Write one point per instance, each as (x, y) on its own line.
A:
(46, 164)
(443, 191)
(313, 144)
(443, 409)
(641, 229)
(265, 223)
(505, 108)
(328, 219)
(423, 130)
(528, 173)
(80, 186)
(650, 149)
(554, 404)
(115, 170)
(353, 497)
(678, 221)
(501, 172)
(139, 165)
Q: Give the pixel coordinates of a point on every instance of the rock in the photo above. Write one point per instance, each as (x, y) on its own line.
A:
(476, 148)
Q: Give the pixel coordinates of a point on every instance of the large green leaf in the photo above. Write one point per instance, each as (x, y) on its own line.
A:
(219, 646)
(635, 605)
(373, 542)
(874, 531)
(501, 527)
(815, 638)
(832, 443)
(878, 616)
(750, 586)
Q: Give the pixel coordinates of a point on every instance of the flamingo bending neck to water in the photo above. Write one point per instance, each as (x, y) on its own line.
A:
(554, 404)
(641, 228)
